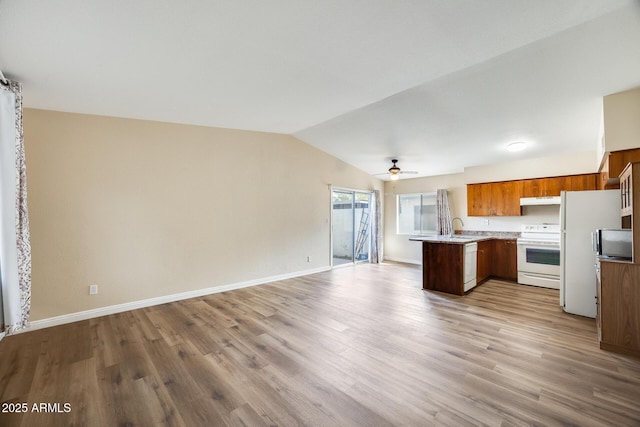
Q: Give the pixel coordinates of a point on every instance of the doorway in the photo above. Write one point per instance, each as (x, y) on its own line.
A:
(350, 226)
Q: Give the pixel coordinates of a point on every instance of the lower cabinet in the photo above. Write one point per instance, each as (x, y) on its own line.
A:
(442, 267)
(505, 259)
(619, 307)
(483, 270)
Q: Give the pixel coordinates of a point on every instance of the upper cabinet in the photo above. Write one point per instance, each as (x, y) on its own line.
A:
(479, 200)
(613, 165)
(503, 198)
(585, 182)
(494, 199)
(545, 187)
(548, 187)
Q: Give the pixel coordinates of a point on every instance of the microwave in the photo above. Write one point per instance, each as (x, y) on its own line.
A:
(614, 243)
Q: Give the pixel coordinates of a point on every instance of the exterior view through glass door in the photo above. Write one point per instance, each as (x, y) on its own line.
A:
(351, 214)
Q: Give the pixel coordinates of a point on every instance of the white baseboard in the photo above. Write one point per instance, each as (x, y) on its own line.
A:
(404, 260)
(119, 308)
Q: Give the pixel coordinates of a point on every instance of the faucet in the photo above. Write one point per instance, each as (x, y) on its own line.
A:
(451, 224)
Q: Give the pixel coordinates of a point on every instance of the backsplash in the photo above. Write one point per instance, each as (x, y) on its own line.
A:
(530, 215)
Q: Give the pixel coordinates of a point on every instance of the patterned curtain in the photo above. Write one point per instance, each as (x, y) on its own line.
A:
(443, 212)
(375, 227)
(15, 253)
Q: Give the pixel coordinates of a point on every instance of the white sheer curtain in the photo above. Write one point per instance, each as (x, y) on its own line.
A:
(375, 227)
(15, 248)
(443, 212)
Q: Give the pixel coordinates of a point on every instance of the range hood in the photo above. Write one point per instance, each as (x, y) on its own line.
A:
(538, 201)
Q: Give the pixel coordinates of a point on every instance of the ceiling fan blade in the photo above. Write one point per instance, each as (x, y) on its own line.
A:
(409, 172)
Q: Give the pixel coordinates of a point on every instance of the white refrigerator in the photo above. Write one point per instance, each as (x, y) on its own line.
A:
(582, 212)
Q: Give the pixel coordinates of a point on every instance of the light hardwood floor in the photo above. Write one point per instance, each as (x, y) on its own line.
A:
(360, 345)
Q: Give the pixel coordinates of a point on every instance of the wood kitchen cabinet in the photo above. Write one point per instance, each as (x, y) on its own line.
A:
(483, 268)
(618, 282)
(545, 187)
(584, 182)
(613, 165)
(504, 259)
(618, 299)
(548, 187)
(479, 199)
(626, 191)
(443, 264)
(503, 198)
(442, 267)
(494, 199)
(630, 205)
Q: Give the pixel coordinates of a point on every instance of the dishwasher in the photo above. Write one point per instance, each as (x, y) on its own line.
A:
(470, 264)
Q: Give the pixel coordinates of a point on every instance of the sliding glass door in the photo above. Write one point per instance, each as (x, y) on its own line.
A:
(350, 229)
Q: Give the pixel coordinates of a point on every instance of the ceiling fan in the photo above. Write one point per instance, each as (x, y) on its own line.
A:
(395, 171)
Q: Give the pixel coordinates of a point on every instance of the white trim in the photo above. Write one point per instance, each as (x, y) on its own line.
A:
(119, 308)
(404, 260)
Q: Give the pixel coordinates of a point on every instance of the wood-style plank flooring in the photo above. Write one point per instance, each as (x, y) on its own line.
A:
(361, 346)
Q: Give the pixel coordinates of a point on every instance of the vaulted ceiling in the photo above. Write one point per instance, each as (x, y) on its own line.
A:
(440, 85)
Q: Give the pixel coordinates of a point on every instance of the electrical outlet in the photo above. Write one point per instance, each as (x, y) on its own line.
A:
(93, 289)
(486, 222)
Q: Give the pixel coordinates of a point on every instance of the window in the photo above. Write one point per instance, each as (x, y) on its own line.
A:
(416, 213)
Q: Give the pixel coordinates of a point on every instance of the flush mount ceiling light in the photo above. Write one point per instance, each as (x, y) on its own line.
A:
(516, 146)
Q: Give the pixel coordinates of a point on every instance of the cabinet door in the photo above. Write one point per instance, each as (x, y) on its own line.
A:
(584, 182)
(483, 270)
(531, 188)
(505, 262)
(548, 187)
(619, 303)
(618, 160)
(626, 192)
(505, 198)
(479, 199)
(553, 186)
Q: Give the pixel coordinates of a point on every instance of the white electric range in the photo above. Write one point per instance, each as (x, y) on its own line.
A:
(539, 255)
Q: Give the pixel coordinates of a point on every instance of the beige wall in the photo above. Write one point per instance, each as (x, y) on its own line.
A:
(147, 209)
(622, 120)
(556, 165)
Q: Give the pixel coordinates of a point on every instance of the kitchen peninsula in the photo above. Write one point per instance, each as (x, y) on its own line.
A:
(456, 264)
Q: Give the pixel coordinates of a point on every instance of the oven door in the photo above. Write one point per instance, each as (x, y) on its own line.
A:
(539, 264)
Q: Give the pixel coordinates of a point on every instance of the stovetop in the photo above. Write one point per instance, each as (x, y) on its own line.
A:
(539, 233)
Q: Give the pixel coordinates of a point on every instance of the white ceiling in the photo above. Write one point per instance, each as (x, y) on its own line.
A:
(441, 85)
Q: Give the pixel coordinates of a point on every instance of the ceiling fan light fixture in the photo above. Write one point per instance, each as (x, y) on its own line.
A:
(394, 170)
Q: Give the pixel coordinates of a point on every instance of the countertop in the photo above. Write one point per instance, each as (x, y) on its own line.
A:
(467, 237)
